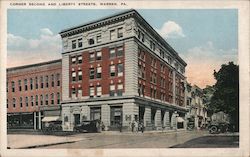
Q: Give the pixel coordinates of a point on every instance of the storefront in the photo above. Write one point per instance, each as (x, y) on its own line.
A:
(20, 121)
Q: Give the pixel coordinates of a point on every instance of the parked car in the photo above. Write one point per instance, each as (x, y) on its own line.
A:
(218, 127)
(52, 126)
(88, 126)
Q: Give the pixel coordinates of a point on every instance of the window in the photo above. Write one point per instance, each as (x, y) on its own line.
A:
(7, 103)
(32, 100)
(91, 56)
(73, 60)
(52, 99)
(120, 33)
(80, 42)
(46, 99)
(162, 54)
(41, 99)
(112, 34)
(31, 84)
(27, 101)
(41, 82)
(112, 90)
(79, 92)
(98, 55)
(21, 102)
(58, 79)
(36, 82)
(73, 92)
(120, 69)
(36, 100)
(111, 53)
(119, 51)
(91, 92)
(99, 38)
(14, 102)
(91, 73)
(112, 70)
(47, 81)
(52, 81)
(79, 58)
(58, 98)
(73, 75)
(20, 85)
(152, 45)
(91, 41)
(141, 89)
(99, 72)
(73, 44)
(140, 36)
(13, 86)
(25, 84)
(7, 87)
(79, 75)
(119, 89)
(98, 91)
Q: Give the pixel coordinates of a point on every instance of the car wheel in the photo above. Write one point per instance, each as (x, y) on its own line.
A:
(213, 130)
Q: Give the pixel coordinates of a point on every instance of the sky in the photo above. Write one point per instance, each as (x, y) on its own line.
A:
(204, 38)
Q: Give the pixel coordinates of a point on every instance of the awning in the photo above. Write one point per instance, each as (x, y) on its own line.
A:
(180, 119)
(51, 118)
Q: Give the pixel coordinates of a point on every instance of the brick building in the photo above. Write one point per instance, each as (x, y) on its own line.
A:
(119, 69)
(33, 93)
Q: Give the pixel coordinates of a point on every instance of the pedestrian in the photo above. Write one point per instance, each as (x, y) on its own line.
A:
(133, 126)
(136, 126)
(120, 126)
(141, 126)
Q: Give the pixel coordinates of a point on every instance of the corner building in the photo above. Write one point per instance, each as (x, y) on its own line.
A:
(119, 69)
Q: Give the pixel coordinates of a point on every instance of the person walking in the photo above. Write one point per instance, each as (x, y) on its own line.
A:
(136, 126)
(133, 126)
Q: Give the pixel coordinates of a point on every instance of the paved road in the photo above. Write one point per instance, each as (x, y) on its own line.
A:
(137, 140)
(215, 141)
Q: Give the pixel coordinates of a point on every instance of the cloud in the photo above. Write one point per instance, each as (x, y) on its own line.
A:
(22, 51)
(203, 60)
(170, 29)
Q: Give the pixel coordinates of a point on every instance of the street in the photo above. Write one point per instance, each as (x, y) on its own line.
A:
(120, 140)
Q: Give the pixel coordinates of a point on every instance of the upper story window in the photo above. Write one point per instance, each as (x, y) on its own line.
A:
(73, 75)
(79, 58)
(73, 92)
(73, 60)
(91, 41)
(25, 85)
(58, 98)
(91, 92)
(80, 42)
(112, 90)
(32, 100)
(73, 44)
(112, 34)
(7, 86)
(46, 99)
(98, 55)
(27, 101)
(20, 85)
(47, 81)
(91, 73)
(99, 72)
(14, 102)
(21, 102)
(119, 51)
(162, 54)
(112, 70)
(120, 69)
(13, 86)
(7, 101)
(36, 100)
(119, 89)
(41, 99)
(79, 75)
(98, 91)
(111, 53)
(140, 36)
(99, 38)
(152, 45)
(52, 81)
(58, 79)
(52, 99)
(36, 82)
(120, 33)
(31, 84)
(91, 56)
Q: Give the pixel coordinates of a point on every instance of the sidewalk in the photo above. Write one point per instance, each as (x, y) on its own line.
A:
(32, 141)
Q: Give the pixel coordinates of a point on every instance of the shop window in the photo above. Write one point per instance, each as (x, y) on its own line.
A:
(13, 86)
(79, 75)
(27, 101)
(120, 33)
(73, 44)
(79, 58)
(119, 89)
(112, 70)
(112, 34)
(99, 72)
(31, 84)
(14, 102)
(91, 56)
(98, 38)
(91, 41)
(111, 53)
(98, 91)
(25, 85)
(91, 73)
(119, 51)
(120, 69)
(98, 55)
(58, 98)
(21, 102)
(91, 92)
(112, 90)
(80, 42)
(20, 85)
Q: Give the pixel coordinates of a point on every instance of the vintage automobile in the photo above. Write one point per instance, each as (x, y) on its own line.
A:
(218, 127)
(51, 127)
(88, 126)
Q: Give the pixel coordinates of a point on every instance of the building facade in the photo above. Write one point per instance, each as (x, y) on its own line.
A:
(197, 106)
(33, 92)
(119, 69)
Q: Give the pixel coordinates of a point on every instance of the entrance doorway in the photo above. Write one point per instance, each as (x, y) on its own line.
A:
(77, 119)
(115, 117)
(141, 113)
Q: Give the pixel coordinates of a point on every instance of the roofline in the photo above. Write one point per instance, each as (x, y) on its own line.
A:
(33, 65)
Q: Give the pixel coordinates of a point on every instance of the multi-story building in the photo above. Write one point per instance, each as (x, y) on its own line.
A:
(196, 105)
(33, 94)
(119, 69)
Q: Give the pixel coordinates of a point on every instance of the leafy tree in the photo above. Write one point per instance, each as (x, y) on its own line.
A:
(226, 95)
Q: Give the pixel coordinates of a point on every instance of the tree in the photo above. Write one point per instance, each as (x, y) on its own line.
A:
(226, 95)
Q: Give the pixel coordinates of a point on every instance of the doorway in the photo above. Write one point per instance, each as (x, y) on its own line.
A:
(77, 119)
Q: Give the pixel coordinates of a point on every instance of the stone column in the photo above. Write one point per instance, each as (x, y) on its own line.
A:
(130, 110)
(166, 120)
(147, 116)
(174, 121)
(34, 120)
(39, 121)
(158, 119)
(65, 77)
(105, 115)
